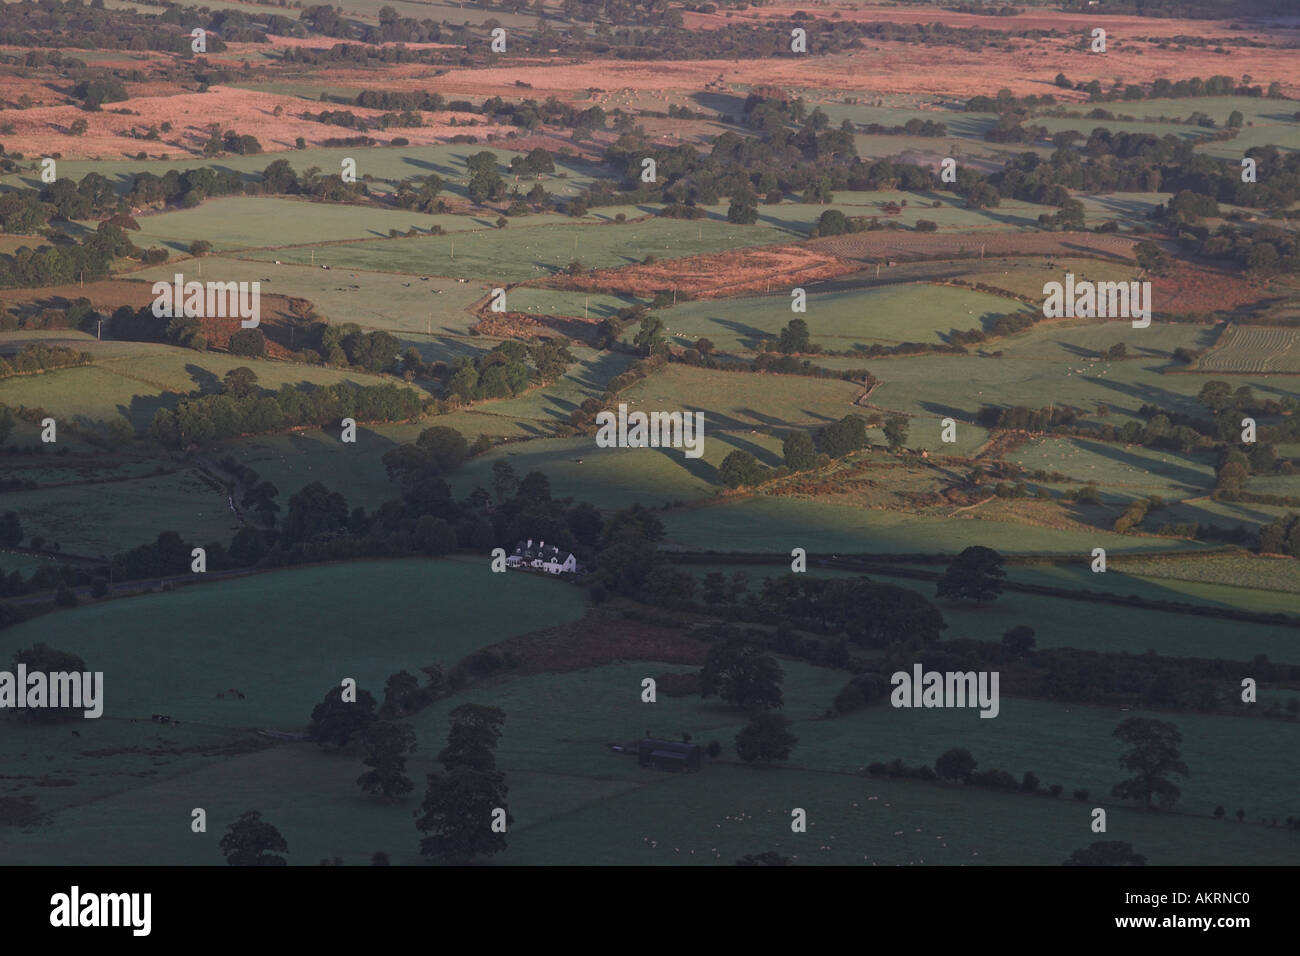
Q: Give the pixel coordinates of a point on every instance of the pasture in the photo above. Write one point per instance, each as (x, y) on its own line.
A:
(840, 320)
(614, 478)
(1043, 374)
(135, 382)
(738, 400)
(574, 802)
(285, 654)
(1132, 470)
(373, 300)
(107, 519)
(766, 523)
(517, 254)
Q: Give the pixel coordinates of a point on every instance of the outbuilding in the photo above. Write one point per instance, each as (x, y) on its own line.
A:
(668, 755)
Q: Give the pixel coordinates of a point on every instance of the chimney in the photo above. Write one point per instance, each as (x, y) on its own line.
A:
(530, 544)
(540, 545)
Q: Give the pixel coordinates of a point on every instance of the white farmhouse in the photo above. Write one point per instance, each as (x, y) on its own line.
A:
(541, 558)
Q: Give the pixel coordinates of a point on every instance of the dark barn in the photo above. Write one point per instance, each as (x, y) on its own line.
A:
(668, 755)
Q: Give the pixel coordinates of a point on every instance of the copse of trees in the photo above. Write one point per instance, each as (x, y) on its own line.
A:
(211, 418)
(37, 357)
(90, 258)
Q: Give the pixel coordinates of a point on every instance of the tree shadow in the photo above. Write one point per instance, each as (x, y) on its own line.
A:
(205, 380)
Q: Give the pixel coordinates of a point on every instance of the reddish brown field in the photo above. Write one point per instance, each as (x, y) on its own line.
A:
(43, 130)
(944, 73)
(715, 276)
(1201, 289)
(109, 294)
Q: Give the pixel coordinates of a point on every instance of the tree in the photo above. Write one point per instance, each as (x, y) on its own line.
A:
(800, 455)
(650, 335)
(1106, 853)
(840, 438)
(387, 745)
(41, 658)
(1151, 258)
(335, 721)
(742, 212)
(401, 695)
(11, 530)
(1019, 640)
(239, 382)
(314, 511)
(794, 337)
(504, 480)
(251, 841)
(955, 764)
(472, 740)
(434, 536)
(457, 812)
(740, 469)
(248, 342)
(974, 575)
(1153, 755)
(832, 223)
(896, 432)
(766, 738)
(742, 676)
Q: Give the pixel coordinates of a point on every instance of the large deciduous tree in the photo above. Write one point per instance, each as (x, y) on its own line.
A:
(1153, 755)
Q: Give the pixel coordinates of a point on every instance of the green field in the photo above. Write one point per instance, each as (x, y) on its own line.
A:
(284, 654)
(574, 802)
(381, 163)
(1089, 625)
(1042, 375)
(428, 310)
(245, 222)
(516, 254)
(736, 400)
(614, 478)
(105, 520)
(133, 380)
(1129, 471)
(557, 302)
(765, 523)
(1241, 571)
(837, 321)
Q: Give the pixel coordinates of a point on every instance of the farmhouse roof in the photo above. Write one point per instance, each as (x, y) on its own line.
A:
(530, 551)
